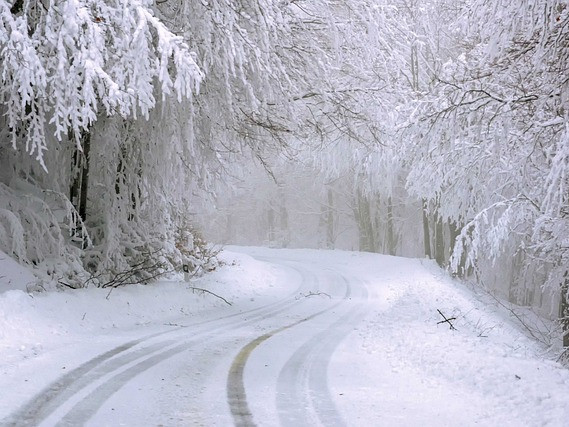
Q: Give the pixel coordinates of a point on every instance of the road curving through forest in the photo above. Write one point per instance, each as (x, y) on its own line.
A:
(77, 397)
(339, 339)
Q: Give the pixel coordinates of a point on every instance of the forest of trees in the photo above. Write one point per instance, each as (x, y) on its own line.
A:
(417, 128)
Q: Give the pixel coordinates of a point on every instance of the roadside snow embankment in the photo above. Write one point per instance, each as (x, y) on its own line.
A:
(13, 275)
(32, 325)
(421, 372)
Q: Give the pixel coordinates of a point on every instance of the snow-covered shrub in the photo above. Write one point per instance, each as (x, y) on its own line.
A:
(67, 69)
(195, 252)
(42, 229)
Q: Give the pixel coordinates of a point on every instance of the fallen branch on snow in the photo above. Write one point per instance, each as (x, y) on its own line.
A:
(193, 288)
(564, 358)
(446, 320)
(311, 294)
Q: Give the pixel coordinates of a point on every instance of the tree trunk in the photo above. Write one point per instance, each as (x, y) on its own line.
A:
(365, 225)
(390, 234)
(454, 231)
(86, 143)
(564, 311)
(284, 225)
(330, 221)
(426, 231)
(271, 222)
(414, 68)
(75, 179)
(228, 237)
(439, 241)
(78, 190)
(80, 176)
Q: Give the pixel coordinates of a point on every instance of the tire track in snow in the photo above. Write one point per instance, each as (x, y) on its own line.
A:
(302, 384)
(91, 401)
(236, 395)
(47, 400)
(55, 396)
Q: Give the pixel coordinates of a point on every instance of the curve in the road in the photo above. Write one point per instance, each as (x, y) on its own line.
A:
(303, 381)
(236, 395)
(117, 376)
(57, 393)
(114, 368)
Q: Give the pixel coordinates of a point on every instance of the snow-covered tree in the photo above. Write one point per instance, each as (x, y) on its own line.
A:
(66, 63)
(489, 147)
(71, 71)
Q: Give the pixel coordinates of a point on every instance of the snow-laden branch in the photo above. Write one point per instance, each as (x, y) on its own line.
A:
(81, 55)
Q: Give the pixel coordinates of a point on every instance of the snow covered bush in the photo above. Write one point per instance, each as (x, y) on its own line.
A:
(194, 251)
(66, 69)
(36, 228)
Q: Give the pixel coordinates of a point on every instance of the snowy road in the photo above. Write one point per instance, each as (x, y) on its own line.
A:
(223, 370)
(332, 339)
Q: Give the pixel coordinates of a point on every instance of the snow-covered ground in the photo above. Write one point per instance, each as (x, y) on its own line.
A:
(312, 337)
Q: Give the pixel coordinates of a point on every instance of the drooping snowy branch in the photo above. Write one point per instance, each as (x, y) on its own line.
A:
(62, 64)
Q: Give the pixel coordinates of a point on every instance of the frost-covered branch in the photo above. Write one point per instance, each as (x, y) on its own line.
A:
(84, 56)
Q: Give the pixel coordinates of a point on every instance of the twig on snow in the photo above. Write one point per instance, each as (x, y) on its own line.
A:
(193, 288)
(564, 357)
(311, 294)
(446, 320)
(61, 282)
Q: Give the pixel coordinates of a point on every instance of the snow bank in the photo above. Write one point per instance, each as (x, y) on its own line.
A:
(32, 324)
(421, 372)
(14, 275)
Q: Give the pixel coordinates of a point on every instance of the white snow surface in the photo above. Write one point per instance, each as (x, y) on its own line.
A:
(375, 357)
(14, 276)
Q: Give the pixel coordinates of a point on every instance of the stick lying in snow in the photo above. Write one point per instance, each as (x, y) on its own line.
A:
(209, 292)
(446, 320)
(311, 294)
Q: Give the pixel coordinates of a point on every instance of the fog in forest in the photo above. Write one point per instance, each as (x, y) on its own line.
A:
(430, 129)
(296, 207)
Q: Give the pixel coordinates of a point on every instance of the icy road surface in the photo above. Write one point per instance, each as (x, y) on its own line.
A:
(312, 338)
